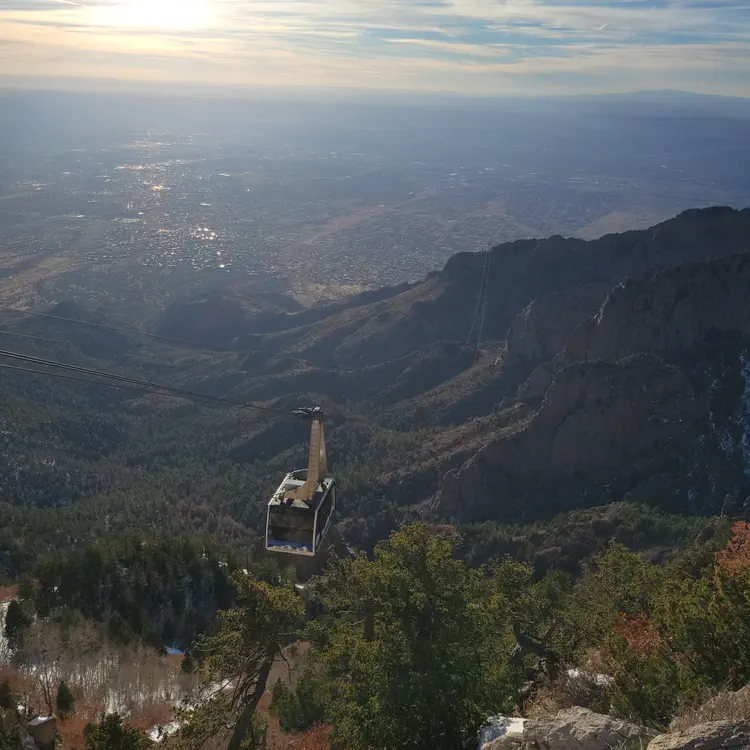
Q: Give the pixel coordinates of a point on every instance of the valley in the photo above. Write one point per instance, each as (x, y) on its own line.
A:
(535, 369)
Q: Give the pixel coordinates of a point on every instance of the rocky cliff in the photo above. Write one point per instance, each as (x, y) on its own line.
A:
(648, 398)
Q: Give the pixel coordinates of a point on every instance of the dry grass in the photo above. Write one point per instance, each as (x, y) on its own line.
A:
(7, 593)
(547, 701)
(725, 706)
(316, 738)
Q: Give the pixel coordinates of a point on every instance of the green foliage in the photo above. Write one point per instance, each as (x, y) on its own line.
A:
(154, 588)
(112, 734)
(300, 708)
(418, 656)
(6, 695)
(646, 683)
(669, 636)
(64, 701)
(567, 540)
(187, 666)
(10, 737)
(16, 621)
(241, 652)
(618, 581)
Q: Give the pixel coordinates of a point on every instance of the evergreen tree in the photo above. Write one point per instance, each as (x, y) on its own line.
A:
(187, 666)
(242, 652)
(6, 696)
(16, 621)
(112, 734)
(10, 737)
(64, 700)
(419, 653)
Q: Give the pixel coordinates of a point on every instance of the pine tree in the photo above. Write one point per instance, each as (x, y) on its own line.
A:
(187, 665)
(64, 701)
(112, 734)
(16, 621)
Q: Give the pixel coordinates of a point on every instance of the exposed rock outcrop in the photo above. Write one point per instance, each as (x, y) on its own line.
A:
(611, 423)
(635, 431)
(576, 729)
(719, 735)
(726, 706)
(671, 311)
(666, 313)
(541, 330)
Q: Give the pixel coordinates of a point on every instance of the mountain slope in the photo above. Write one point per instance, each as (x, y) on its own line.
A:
(650, 396)
(360, 332)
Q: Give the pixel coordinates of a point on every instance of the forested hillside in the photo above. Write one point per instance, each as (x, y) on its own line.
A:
(425, 420)
(577, 468)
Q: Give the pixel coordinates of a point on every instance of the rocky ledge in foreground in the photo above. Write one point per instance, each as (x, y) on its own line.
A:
(581, 729)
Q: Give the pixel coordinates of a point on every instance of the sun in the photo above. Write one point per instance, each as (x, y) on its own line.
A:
(158, 14)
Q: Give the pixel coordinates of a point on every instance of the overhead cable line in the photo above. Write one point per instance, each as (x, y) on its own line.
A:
(156, 390)
(36, 338)
(484, 305)
(62, 376)
(479, 298)
(191, 395)
(129, 331)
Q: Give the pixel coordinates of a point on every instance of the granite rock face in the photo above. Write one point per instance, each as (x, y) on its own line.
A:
(650, 395)
(718, 735)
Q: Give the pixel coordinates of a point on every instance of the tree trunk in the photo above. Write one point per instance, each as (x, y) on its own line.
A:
(245, 722)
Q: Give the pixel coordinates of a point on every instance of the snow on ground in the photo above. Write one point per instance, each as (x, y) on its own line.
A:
(499, 726)
(602, 680)
(3, 643)
(159, 732)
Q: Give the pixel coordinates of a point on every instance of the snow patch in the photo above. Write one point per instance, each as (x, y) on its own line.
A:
(161, 731)
(3, 612)
(499, 726)
(726, 444)
(174, 651)
(602, 680)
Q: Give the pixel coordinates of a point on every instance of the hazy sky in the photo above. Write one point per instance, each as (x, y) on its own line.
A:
(503, 46)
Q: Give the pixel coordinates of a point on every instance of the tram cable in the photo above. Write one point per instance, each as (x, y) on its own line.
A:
(104, 326)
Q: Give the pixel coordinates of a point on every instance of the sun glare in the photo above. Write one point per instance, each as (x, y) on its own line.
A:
(158, 14)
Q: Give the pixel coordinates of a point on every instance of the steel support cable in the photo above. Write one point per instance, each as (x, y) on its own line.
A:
(130, 331)
(484, 306)
(73, 378)
(136, 381)
(153, 391)
(479, 300)
(36, 338)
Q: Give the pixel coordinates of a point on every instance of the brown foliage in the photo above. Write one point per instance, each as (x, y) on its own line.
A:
(735, 557)
(315, 738)
(639, 633)
(7, 593)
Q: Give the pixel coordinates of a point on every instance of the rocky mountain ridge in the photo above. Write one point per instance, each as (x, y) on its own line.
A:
(648, 398)
(607, 369)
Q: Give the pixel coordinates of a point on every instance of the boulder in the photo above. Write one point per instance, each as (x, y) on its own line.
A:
(717, 735)
(581, 729)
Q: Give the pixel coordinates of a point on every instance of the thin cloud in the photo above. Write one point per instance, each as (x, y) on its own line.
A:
(483, 45)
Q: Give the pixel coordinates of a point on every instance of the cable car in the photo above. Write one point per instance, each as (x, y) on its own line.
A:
(300, 511)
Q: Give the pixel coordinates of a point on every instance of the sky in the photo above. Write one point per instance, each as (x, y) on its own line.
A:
(492, 47)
